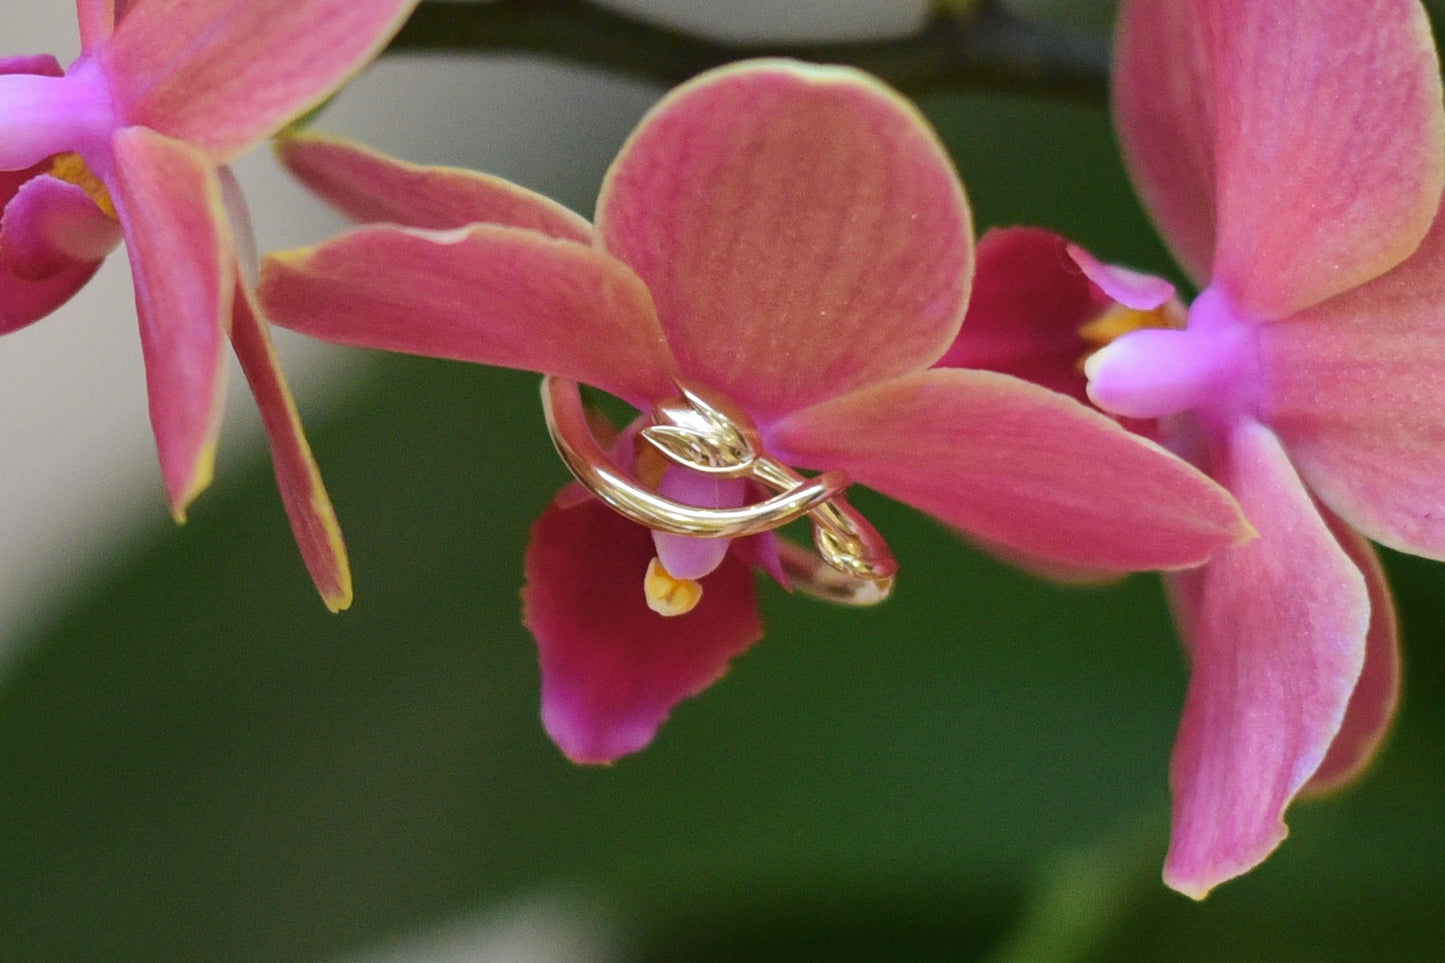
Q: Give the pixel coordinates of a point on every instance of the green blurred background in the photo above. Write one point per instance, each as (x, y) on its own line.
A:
(198, 762)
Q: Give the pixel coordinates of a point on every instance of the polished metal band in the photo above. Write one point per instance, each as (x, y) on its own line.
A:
(707, 434)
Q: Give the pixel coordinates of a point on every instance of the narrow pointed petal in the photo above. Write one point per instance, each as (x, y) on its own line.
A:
(368, 186)
(183, 263)
(313, 520)
(1277, 645)
(1029, 301)
(1019, 466)
(1354, 387)
(224, 74)
(1377, 694)
(96, 19)
(1327, 129)
(800, 228)
(51, 226)
(611, 668)
(487, 294)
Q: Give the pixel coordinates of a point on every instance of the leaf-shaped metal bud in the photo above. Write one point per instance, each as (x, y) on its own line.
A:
(727, 454)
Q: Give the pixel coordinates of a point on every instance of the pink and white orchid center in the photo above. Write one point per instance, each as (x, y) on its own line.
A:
(42, 116)
(1209, 366)
(715, 457)
(1118, 320)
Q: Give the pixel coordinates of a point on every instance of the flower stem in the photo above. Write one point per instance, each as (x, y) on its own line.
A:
(976, 45)
(1082, 895)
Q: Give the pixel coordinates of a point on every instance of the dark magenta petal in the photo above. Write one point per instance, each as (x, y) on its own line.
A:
(801, 229)
(43, 64)
(1276, 632)
(612, 669)
(368, 186)
(24, 302)
(51, 225)
(1029, 300)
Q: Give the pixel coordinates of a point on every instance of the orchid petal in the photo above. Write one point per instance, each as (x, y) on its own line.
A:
(24, 302)
(368, 186)
(493, 295)
(1327, 164)
(97, 19)
(1133, 289)
(313, 520)
(1353, 388)
(611, 668)
(52, 226)
(1377, 694)
(1029, 301)
(183, 262)
(224, 74)
(1019, 466)
(1276, 632)
(1164, 111)
(43, 65)
(800, 228)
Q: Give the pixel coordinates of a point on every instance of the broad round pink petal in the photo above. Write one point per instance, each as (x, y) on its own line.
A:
(224, 74)
(313, 520)
(1020, 466)
(1354, 389)
(1276, 633)
(612, 669)
(183, 262)
(1327, 166)
(50, 226)
(800, 228)
(1163, 103)
(1377, 694)
(1029, 301)
(368, 186)
(488, 294)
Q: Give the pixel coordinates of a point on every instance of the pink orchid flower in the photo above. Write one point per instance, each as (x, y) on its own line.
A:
(1291, 153)
(131, 143)
(794, 239)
